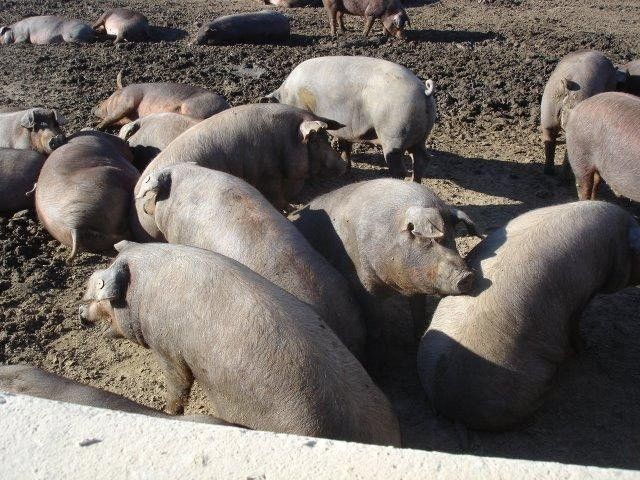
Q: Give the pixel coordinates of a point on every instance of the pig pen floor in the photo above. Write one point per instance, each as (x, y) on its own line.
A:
(489, 64)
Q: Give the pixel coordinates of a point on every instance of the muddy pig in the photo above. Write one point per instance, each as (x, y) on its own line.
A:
(273, 147)
(19, 171)
(124, 24)
(46, 29)
(148, 136)
(629, 78)
(579, 75)
(264, 26)
(38, 129)
(196, 206)
(389, 237)
(265, 359)
(137, 100)
(603, 144)
(391, 12)
(84, 192)
(488, 357)
(377, 101)
(35, 382)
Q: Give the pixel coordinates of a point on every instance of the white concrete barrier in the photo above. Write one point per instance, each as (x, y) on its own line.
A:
(42, 439)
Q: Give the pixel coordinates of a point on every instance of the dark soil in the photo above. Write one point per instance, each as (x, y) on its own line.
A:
(489, 62)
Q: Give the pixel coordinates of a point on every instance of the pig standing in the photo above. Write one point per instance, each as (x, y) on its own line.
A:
(37, 129)
(192, 205)
(630, 76)
(32, 381)
(275, 148)
(377, 101)
(391, 12)
(488, 357)
(266, 360)
(264, 26)
(84, 192)
(389, 237)
(603, 142)
(19, 171)
(140, 99)
(579, 75)
(46, 29)
(149, 135)
(124, 24)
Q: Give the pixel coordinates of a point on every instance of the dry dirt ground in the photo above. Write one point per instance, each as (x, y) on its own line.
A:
(489, 63)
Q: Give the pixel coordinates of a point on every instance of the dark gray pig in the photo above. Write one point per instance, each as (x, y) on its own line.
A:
(629, 78)
(19, 170)
(46, 29)
(265, 26)
(38, 129)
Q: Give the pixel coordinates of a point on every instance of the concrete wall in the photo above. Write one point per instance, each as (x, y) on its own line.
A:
(41, 439)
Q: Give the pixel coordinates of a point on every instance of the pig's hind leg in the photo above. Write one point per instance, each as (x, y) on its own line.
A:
(179, 380)
(420, 157)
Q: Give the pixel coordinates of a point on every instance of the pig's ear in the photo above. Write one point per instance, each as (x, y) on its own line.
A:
(122, 245)
(28, 120)
(461, 217)
(119, 85)
(310, 127)
(4, 30)
(424, 222)
(569, 85)
(430, 87)
(111, 284)
(59, 118)
(332, 124)
(129, 129)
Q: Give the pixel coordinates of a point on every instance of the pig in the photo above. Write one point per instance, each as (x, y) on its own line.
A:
(629, 77)
(147, 136)
(46, 29)
(578, 76)
(377, 101)
(84, 190)
(391, 12)
(35, 382)
(603, 144)
(489, 356)
(387, 237)
(19, 171)
(280, 3)
(37, 129)
(262, 27)
(137, 100)
(124, 24)
(265, 359)
(196, 206)
(273, 147)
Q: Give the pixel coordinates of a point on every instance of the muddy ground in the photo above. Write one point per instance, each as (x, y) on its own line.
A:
(489, 63)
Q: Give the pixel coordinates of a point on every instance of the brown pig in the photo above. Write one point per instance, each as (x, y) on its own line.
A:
(32, 381)
(273, 147)
(196, 206)
(19, 171)
(137, 100)
(124, 24)
(84, 192)
(579, 75)
(36, 129)
(388, 237)
(489, 356)
(391, 12)
(265, 359)
(603, 143)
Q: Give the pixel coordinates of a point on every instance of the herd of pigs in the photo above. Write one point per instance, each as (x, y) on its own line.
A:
(272, 315)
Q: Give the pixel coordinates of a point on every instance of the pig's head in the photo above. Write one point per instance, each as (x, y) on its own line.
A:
(102, 109)
(323, 159)
(44, 128)
(106, 291)
(419, 255)
(6, 36)
(205, 33)
(395, 22)
(154, 187)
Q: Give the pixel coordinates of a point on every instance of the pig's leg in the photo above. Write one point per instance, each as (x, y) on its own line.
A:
(119, 38)
(122, 110)
(584, 183)
(566, 172)
(333, 16)
(179, 379)
(549, 137)
(74, 246)
(367, 25)
(596, 184)
(99, 25)
(341, 22)
(345, 152)
(418, 314)
(395, 163)
(420, 158)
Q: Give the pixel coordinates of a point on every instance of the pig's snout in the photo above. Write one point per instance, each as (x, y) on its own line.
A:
(57, 141)
(83, 315)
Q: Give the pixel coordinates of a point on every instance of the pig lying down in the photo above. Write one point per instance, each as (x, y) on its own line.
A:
(137, 100)
(260, 27)
(124, 24)
(391, 12)
(32, 381)
(37, 129)
(19, 171)
(84, 192)
(603, 143)
(196, 206)
(377, 101)
(489, 356)
(265, 359)
(46, 29)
